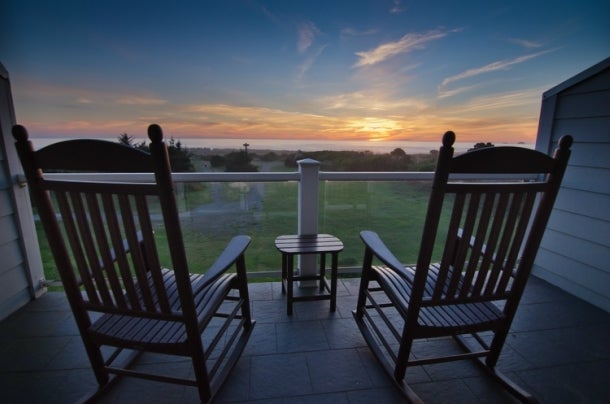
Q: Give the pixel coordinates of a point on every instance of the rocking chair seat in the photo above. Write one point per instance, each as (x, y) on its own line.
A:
(159, 334)
(441, 319)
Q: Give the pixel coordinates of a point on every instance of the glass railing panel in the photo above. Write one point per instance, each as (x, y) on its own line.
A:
(393, 209)
(211, 213)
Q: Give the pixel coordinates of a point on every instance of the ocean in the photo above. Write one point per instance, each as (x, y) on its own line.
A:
(410, 147)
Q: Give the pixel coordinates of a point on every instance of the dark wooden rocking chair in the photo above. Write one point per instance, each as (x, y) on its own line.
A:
(102, 236)
(491, 231)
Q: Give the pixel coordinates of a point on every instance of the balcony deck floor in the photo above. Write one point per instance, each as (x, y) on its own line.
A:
(558, 349)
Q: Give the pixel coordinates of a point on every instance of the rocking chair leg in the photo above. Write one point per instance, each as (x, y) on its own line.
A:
(97, 361)
(407, 392)
(488, 363)
(403, 358)
(94, 396)
(510, 385)
(125, 358)
(364, 283)
(495, 347)
(203, 382)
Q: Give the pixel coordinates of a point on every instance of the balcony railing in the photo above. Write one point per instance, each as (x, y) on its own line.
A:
(340, 203)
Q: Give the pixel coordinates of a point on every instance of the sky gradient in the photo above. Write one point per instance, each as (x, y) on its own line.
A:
(246, 69)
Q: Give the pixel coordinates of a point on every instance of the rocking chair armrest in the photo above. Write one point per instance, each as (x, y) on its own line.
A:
(377, 247)
(231, 254)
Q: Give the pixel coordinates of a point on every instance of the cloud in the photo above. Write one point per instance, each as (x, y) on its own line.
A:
(398, 7)
(237, 113)
(500, 102)
(350, 32)
(135, 100)
(445, 93)
(271, 16)
(407, 43)
(309, 61)
(527, 43)
(233, 121)
(81, 96)
(491, 67)
(358, 101)
(307, 33)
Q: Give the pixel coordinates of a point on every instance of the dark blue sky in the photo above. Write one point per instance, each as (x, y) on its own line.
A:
(299, 69)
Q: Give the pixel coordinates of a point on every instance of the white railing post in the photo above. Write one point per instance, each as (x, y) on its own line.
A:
(308, 212)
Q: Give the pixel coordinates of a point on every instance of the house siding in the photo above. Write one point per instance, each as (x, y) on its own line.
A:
(20, 269)
(575, 251)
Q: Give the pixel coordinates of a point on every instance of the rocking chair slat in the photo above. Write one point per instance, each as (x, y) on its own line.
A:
(104, 250)
(120, 254)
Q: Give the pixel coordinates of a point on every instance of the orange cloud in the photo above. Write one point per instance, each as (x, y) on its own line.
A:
(406, 44)
(374, 115)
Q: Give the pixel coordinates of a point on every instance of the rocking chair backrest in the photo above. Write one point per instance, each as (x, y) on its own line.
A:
(102, 233)
(492, 228)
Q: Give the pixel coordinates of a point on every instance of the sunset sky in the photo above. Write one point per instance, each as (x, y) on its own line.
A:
(248, 69)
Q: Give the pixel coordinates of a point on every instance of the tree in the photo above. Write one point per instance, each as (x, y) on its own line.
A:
(179, 157)
(217, 161)
(127, 140)
(481, 145)
(239, 161)
(398, 153)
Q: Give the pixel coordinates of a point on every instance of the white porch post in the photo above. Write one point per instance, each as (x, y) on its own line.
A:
(308, 213)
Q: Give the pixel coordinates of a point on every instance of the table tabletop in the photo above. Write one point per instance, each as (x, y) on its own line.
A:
(308, 243)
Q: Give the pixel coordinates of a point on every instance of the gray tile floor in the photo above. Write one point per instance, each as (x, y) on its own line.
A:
(558, 349)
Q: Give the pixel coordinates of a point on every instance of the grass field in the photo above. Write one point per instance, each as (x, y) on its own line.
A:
(214, 212)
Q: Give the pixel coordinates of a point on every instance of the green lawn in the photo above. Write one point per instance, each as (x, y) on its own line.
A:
(393, 209)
